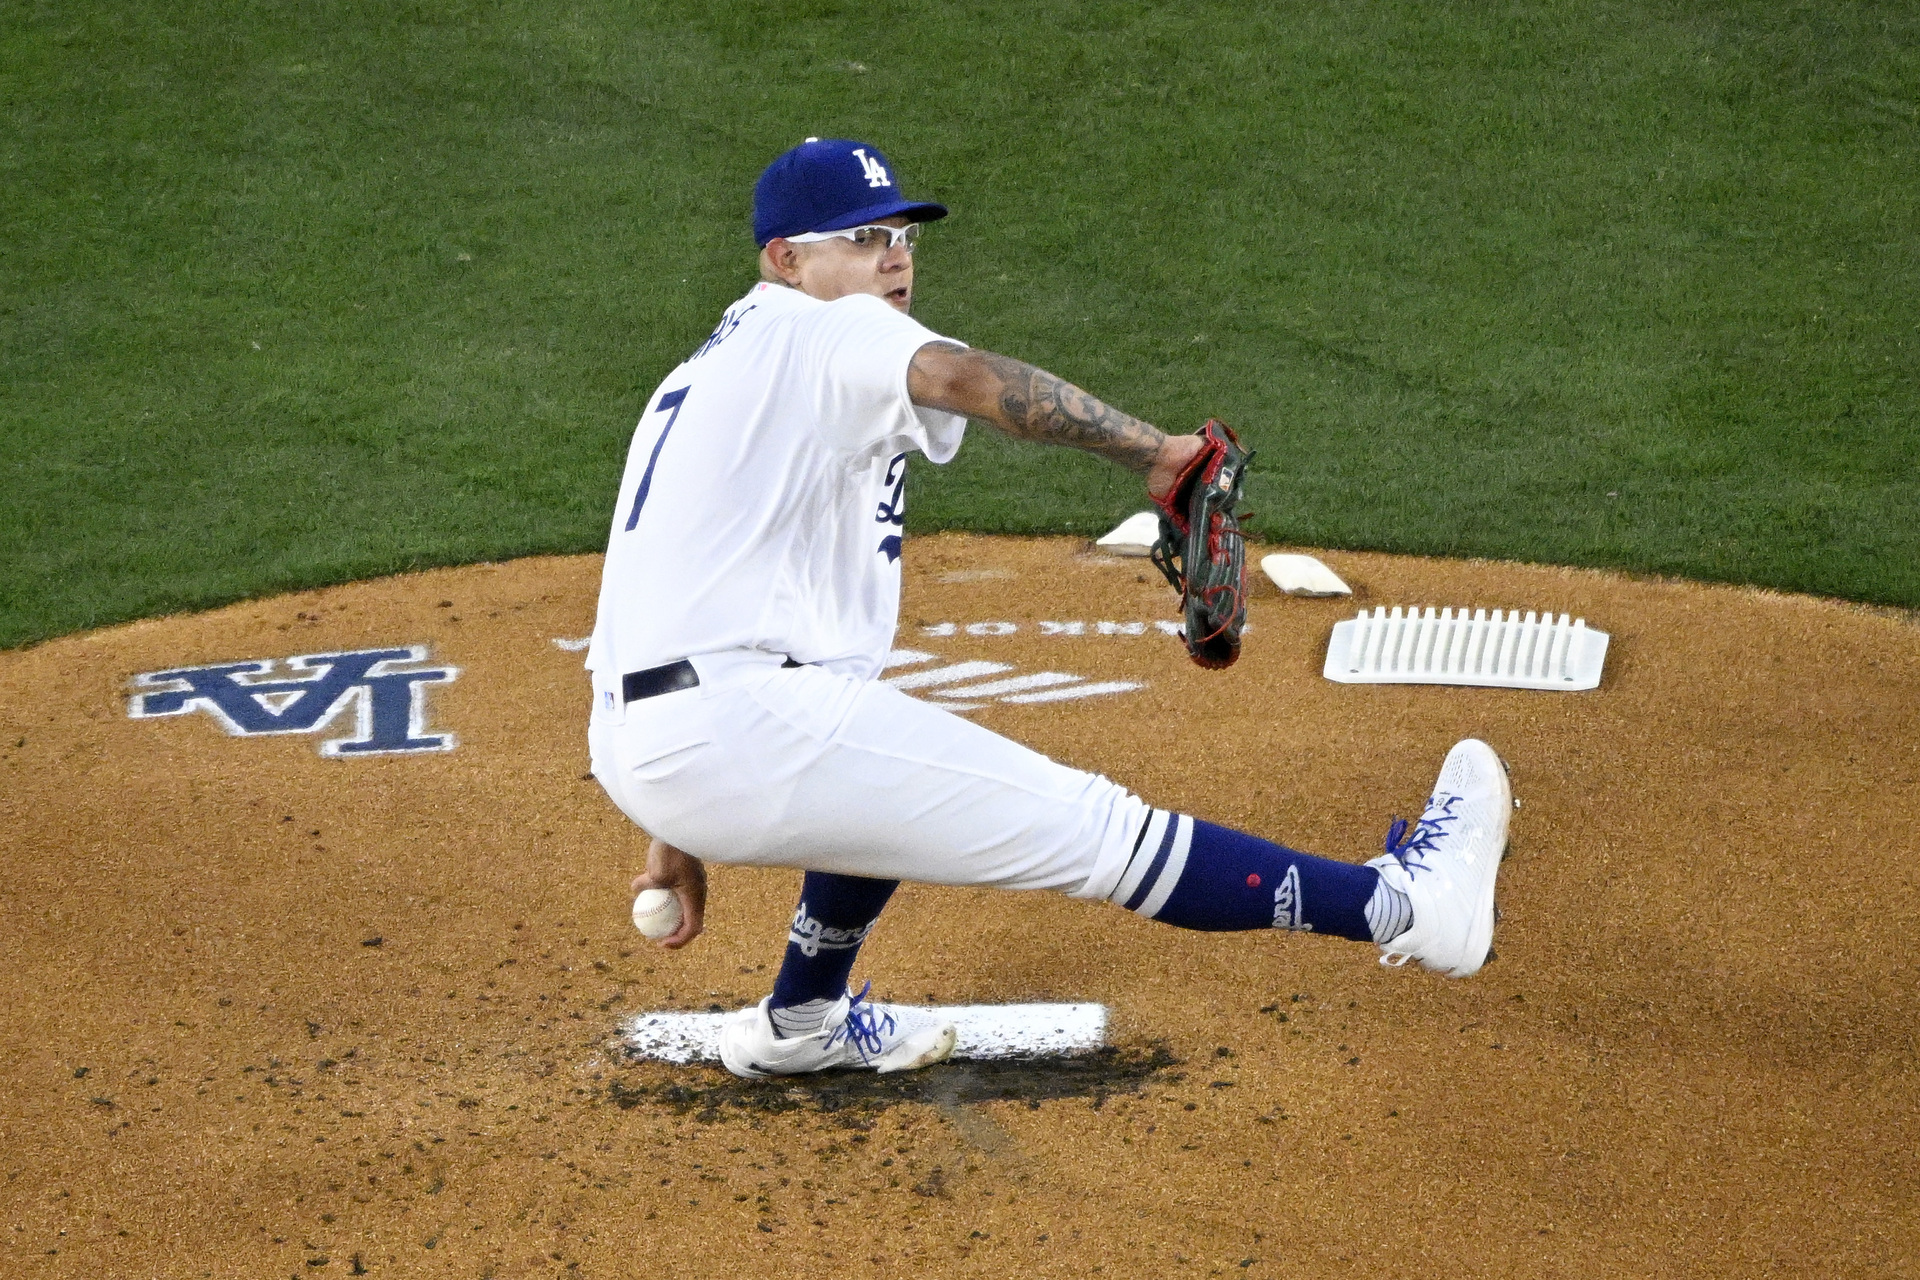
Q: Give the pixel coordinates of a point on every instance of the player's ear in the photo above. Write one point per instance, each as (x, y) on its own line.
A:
(780, 261)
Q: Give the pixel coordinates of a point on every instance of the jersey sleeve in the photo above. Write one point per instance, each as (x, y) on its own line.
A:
(860, 347)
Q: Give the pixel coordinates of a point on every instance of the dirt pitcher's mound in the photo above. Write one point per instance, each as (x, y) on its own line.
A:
(309, 994)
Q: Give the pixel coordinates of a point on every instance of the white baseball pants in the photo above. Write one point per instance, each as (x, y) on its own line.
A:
(799, 767)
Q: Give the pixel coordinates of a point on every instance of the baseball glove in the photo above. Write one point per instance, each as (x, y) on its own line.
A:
(1200, 548)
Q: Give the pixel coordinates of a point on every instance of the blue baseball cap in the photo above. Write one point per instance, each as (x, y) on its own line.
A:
(830, 184)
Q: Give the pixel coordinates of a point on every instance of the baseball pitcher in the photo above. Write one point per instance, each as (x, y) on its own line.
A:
(749, 601)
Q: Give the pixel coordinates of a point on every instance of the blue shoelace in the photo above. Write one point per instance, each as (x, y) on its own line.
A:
(1406, 849)
(864, 1029)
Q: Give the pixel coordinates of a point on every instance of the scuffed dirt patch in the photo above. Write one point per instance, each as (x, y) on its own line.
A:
(711, 1095)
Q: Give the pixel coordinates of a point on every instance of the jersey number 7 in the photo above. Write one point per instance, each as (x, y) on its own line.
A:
(670, 405)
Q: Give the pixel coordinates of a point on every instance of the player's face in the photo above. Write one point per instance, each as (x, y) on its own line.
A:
(829, 269)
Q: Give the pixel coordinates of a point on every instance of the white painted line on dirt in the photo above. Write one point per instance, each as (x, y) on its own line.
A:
(1076, 691)
(1039, 686)
(984, 1031)
(947, 675)
(572, 646)
(1013, 684)
(1051, 627)
(977, 575)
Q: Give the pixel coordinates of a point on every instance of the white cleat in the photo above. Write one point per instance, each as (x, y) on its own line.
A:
(857, 1035)
(1446, 865)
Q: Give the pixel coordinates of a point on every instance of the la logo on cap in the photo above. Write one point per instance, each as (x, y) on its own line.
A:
(875, 171)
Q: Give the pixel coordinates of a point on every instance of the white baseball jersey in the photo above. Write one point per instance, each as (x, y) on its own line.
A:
(760, 515)
(764, 493)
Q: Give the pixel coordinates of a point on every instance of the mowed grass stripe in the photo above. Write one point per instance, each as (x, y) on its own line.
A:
(293, 294)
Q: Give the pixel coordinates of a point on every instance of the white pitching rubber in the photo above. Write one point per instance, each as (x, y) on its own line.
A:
(984, 1031)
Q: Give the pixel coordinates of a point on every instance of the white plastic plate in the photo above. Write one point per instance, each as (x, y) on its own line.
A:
(1133, 536)
(1501, 651)
(1304, 576)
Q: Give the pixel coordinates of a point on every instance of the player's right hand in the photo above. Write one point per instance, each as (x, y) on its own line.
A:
(686, 876)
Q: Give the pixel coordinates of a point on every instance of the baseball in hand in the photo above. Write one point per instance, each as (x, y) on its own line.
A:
(656, 913)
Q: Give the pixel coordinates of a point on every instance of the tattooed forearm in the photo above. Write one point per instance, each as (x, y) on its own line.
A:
(1031, 403)
(1036, 405)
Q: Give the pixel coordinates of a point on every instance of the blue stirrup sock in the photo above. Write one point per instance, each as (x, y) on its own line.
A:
(1195, 875)
(835, 915)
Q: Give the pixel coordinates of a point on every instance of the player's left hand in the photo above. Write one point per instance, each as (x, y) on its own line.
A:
(1201, 548)
(1176, 455)
(686, 876)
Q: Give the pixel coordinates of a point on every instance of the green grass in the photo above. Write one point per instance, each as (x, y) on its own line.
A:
(298, 293)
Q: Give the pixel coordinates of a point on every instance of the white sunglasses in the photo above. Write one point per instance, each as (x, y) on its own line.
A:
(872, 236)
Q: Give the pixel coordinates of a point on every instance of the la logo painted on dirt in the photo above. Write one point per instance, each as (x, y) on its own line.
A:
(384, 687)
